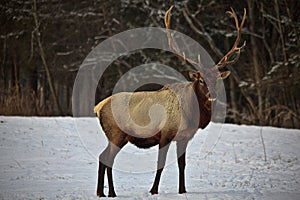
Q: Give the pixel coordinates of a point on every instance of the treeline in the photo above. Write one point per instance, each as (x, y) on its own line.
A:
(43, 44)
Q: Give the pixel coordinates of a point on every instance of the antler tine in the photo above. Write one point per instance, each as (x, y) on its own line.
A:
(243, 19)
(167, 24)
(223, 62)
(172, 44)
(233, 14)
(168, 17)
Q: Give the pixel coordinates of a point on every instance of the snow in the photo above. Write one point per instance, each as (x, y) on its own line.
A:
(243, 84)
(56, 158)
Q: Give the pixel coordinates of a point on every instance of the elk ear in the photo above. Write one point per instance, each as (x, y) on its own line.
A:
(224, 75)
(194, 75)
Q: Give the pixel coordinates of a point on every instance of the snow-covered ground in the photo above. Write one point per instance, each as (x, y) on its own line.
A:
(56, 158)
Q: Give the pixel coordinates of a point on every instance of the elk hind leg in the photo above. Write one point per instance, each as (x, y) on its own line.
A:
(101, 172)
(106, 160)
(114, 150)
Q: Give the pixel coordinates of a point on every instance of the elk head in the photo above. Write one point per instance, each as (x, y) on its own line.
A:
(213, 74)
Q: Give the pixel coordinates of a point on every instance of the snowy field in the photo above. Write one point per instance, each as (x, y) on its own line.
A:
(56, 158)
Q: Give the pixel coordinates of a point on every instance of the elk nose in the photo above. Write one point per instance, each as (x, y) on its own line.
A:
(211, 96)
(212, 99)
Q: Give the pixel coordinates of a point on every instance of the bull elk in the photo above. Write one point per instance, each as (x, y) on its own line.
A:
(178, 121)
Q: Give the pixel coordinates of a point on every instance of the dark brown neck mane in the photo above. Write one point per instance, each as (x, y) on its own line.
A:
(203, 102)
(204, 105)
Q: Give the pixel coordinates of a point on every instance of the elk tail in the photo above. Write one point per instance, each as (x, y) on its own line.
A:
(99, 106)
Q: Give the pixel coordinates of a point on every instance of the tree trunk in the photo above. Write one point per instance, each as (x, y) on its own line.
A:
(3, 63)
(233, 99)
(43, 57)
(255, 61)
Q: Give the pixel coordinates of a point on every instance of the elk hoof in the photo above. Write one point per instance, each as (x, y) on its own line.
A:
(113, 194)
(153, 191)
(100, 194)
(181, 191)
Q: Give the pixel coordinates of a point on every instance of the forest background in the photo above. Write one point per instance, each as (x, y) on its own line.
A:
(43, 44)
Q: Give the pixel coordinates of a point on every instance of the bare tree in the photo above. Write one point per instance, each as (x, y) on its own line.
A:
(43, 57)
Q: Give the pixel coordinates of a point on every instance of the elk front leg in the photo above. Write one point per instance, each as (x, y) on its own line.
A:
(181, 148)
(162, 154)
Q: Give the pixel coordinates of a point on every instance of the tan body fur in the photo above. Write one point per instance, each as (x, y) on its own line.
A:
(176, 115)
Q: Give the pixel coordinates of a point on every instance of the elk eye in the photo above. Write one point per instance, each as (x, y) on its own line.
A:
(201, 81)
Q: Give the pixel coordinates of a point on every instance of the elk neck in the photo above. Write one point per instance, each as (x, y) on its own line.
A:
(203, 103)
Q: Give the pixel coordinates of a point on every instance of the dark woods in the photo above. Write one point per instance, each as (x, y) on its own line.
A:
(43, 43)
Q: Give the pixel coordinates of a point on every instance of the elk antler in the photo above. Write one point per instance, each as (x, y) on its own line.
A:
(172, 43)
(224, 61)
